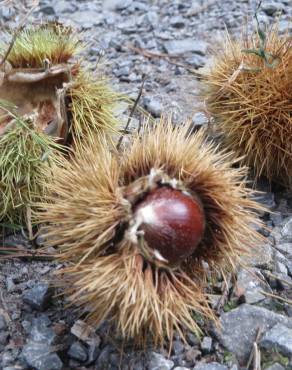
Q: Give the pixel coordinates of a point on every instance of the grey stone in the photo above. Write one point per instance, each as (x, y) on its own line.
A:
(153, 106)
(124, 71)
(284, 26)
(115, 359)
(288, 309)
(103, 359)
(26, 326)
(215, 300)
(8, 358)
(181, 368)
(3, 324)
(41, 332)
(210, 366)
(249, 286)
(152, 18)
(239, 328)
(177, 22)
(192, 339)
(178, 47)
(267, 199)
(40, 357)
(196, 61)
(285, 248)
(117, 4)
(78, 352)
(192, 354)
(276, 218)
(206, 345)
(278, 338)
(178, 347)
(289, 268)
(85, 333)
(93, 353)
(281, 268)
(272, 7)
(159, 362)
(10, 286)
(7, 12)
(275, 366)
(280, 257)
(262, 257)
(282, 281)
(48, 10)
(62, 6)
(39, 296)
(86, 19)
(4, 338)
(286, 231)
(139, 5)
(200, 119)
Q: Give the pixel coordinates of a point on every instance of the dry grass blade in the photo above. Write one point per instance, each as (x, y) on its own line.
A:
(23, 253)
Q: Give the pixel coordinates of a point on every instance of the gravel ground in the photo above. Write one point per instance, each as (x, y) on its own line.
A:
(36, 330)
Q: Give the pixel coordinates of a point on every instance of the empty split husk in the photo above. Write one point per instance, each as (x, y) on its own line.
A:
(248, 89)
(143, 229)
(42, 74)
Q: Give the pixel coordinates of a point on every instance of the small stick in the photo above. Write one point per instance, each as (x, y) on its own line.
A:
(254, 348)
(278, 278)
(28, 222)
(256, 358)
(224, 295)
(150, 54)
(132, 111)
(286, 300)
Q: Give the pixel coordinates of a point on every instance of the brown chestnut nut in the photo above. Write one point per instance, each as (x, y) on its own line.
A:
(172, 222)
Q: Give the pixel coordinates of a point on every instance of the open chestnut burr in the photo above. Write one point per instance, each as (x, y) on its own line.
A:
(145, 228)
(47, 97)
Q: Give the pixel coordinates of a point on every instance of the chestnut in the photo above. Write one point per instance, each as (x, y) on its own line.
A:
(172, 223)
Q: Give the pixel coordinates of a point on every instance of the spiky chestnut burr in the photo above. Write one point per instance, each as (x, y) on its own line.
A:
(24, 153)
(247, 88)
(132, 258)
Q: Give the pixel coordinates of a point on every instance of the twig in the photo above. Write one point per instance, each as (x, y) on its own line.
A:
(254, 351)
(256, 358)
(14, 252)
(286, 300)
(28, 223)
(279, 278)
(19, 28)
(132, 111)
(224, 295)
(140, 125)
(151, 54)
